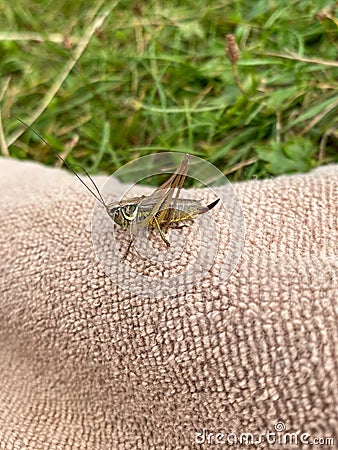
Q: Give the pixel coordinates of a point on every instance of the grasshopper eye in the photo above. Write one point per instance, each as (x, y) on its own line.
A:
(129, 212)
(129, 209)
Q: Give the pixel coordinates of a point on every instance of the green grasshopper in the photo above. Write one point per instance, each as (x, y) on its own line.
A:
(160, 210)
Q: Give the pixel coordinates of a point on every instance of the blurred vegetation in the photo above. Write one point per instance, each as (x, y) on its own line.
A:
(108, 81)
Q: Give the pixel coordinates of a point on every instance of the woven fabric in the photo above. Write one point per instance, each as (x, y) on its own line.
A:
(85, 364)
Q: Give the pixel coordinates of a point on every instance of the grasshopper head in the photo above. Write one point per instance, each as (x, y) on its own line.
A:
(122, 214)
(115, 212)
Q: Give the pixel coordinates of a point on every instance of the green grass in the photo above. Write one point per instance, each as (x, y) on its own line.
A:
(108, 82)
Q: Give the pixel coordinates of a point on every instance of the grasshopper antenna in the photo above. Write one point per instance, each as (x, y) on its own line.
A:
(98, 196)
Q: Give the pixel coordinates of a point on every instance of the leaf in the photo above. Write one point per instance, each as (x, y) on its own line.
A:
(292, 156)
(190, 30)
(280, 98)
(310, 113)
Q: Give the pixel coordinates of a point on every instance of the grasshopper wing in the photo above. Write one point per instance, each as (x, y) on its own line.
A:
(158, 202)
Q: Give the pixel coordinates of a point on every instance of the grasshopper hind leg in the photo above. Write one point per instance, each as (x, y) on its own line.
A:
(161, 232)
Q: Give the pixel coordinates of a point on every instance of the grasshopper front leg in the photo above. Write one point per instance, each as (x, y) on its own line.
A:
(128, 248)
(131, 226)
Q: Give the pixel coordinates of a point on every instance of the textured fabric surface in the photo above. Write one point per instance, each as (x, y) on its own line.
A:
(85, 364)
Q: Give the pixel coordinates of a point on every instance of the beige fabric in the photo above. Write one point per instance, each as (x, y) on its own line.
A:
(86, 365)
